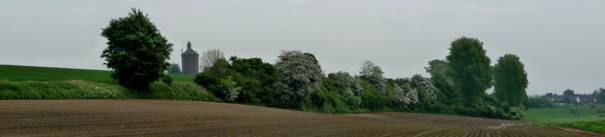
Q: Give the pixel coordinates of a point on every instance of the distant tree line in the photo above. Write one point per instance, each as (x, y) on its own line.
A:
(138, 54)
(569, 97)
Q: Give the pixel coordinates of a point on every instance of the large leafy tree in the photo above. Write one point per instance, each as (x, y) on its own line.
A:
(299, 75)
(510, 80)
(470, 69)
(137, 52)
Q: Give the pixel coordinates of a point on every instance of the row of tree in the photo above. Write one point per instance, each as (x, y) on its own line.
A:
(138, 54)
(466, 74)
(569, 97)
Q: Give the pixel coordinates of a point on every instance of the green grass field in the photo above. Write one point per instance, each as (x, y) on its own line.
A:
(30, 73)
(563, 114)
(27, 82)
(586, 118)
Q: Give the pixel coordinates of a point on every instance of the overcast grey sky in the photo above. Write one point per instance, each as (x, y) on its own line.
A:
(561, 42)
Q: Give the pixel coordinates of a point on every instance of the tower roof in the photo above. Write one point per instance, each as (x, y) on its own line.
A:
(189, 51)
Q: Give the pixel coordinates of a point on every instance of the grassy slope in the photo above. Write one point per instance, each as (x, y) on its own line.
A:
(30, 73)
(27, 82)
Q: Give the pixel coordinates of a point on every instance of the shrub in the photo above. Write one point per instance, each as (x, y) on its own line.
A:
(255, 78)
(330, 98)
(167, 80)
(218, 80)
(180, 91)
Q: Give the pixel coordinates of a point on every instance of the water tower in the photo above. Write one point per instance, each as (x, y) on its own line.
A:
(190, 60)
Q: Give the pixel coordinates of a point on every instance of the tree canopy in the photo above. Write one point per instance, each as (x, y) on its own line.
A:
(137, 52)
(470, 69)
(373, 74)
(510, 80)
(299, 75)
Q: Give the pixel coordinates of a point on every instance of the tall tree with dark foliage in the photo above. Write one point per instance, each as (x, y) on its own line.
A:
(470, 69)
(137, 52)
(510, 80)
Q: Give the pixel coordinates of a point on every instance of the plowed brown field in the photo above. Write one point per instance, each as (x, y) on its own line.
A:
(183, 118)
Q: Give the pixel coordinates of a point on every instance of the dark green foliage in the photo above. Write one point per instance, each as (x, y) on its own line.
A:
(218, 80)
(180, 91)
(244, 80)
(374, 99)
(510, 80)
(332, 97)
(462, 79)
(438, 70)
(137, 52)
(470, 70)
(167, 80)
(491, 108)
(255, 78)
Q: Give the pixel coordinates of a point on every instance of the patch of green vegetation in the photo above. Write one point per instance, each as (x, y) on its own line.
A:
(585, 117)
(70, 89)
(563, 114)
(27, 82)
(79, 89)
(180, 91)
(31, 73)
(594, 126)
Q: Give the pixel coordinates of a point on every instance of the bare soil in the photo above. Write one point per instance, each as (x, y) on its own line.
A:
(186, 118)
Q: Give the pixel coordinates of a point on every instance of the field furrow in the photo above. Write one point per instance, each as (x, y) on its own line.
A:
(184, 118)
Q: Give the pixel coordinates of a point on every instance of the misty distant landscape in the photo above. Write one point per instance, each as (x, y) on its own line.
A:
(302, 68)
